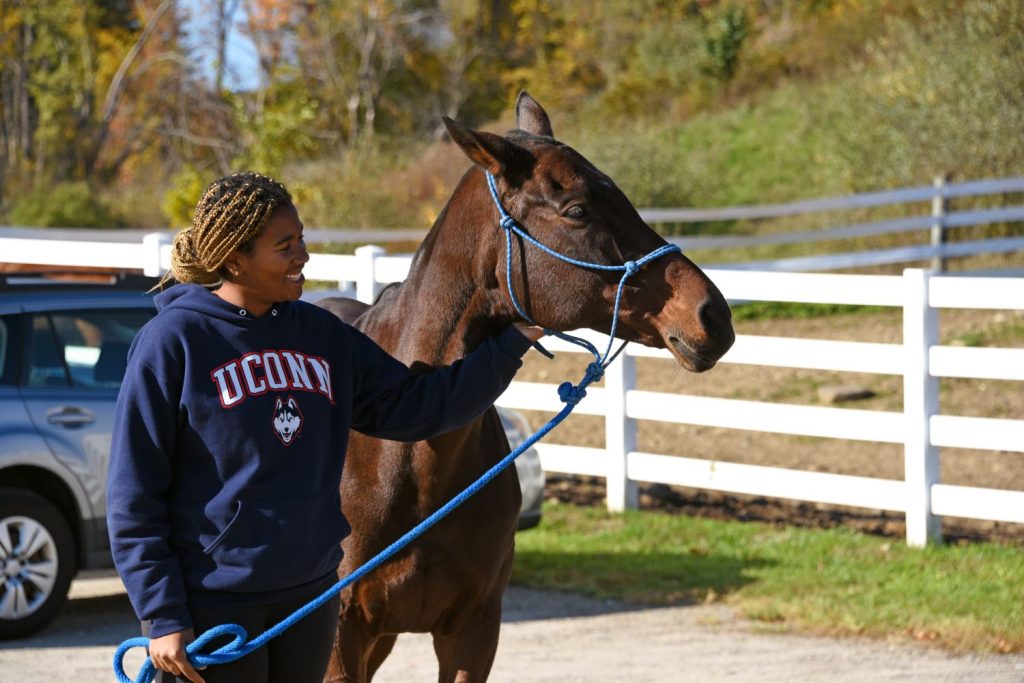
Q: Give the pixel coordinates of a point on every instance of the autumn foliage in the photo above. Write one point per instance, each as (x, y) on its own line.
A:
(141, 101)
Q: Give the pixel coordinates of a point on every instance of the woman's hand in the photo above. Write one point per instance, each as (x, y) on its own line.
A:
(531, 332)
(168, 654)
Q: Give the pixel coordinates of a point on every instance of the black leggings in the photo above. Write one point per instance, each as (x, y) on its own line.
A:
(299, 655)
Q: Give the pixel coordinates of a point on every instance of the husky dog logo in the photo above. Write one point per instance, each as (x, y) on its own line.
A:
(287, 420)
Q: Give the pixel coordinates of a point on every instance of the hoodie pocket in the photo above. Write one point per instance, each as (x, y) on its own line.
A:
(212, 545)
(278, 543)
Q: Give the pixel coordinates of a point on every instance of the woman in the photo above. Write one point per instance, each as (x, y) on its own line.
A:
(230, 436)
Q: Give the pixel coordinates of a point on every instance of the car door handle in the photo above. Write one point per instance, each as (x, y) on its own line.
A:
(69, 416)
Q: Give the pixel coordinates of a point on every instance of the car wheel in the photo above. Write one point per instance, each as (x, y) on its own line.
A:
(37, 561)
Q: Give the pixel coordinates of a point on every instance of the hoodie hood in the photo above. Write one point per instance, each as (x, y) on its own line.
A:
(201, 300)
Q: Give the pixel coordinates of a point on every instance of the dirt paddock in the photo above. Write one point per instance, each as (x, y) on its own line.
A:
(978, 398)
(549, 637)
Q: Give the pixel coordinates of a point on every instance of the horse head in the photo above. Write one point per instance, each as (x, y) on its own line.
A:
(564, 202)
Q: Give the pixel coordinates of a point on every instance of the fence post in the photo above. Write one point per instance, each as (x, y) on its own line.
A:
(938, 238)
(367, 286)
(152, 247)
(920, 402)
(619, 433)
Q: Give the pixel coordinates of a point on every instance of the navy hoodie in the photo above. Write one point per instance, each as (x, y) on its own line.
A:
(229, 442)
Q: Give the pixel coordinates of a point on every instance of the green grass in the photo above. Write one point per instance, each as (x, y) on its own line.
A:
(778, 310)
(1008, 333)
(963, 597)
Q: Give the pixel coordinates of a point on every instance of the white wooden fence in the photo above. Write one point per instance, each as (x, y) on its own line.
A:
(936, 221)
(920, 427)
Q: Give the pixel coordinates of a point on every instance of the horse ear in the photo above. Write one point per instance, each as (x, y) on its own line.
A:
(531, 117)
(490, 152)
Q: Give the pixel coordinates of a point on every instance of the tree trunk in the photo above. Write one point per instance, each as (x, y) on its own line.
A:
(353, 118)
(119, 83)
(6, 109)
(222, 44)
(24, 104)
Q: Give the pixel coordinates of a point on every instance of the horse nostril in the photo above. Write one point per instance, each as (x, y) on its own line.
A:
(677, 343)
(714, 314)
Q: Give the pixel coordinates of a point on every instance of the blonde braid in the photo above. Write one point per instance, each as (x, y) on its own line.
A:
(231, 213)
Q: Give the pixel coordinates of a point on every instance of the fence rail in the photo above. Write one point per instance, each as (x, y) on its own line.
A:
(939, 222)
(50, 247)
(923, 193)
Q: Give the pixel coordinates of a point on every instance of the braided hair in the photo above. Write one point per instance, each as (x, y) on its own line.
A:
(231, 213)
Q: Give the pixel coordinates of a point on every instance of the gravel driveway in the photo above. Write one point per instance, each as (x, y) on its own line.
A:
(549, 637)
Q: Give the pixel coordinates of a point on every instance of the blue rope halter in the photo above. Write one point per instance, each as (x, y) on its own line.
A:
(571, 395)
(601, 361)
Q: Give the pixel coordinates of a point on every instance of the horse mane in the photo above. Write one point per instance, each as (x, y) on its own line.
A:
(390, 290)
(392, 304)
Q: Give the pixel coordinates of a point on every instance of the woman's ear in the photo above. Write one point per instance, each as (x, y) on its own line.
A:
(232, 265)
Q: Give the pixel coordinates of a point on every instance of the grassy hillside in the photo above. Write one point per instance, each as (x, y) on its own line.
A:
(899, 109)
(736, 103)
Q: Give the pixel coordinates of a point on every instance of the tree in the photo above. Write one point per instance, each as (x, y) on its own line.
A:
(354, 52)
(76, 84)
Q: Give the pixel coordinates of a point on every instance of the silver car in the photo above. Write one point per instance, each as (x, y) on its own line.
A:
(63, 351)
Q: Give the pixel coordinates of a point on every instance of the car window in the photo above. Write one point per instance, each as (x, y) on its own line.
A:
(3, 345)
(45, 360)
(8, 325)
(83, 348)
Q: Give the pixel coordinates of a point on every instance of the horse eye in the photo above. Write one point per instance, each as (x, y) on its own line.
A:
(576, 212)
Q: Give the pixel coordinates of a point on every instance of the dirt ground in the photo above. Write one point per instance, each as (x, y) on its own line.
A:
(550, 637)
(981, 398)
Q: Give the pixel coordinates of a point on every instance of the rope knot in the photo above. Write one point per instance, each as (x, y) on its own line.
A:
(507, 222)
(631, 267)
(594, 373)
(571, 394)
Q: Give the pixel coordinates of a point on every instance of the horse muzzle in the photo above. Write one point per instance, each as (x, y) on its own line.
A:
(699, 345)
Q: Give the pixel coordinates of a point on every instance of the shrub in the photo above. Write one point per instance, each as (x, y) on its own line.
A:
(64, 205)
(366, 189)
(941, 94)
(725, 31)
(180, 201)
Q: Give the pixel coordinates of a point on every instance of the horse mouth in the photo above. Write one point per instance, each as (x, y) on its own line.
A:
(687, 357)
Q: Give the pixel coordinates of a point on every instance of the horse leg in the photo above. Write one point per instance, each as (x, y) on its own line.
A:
(466, 655)
(351, 653)
(381, 650)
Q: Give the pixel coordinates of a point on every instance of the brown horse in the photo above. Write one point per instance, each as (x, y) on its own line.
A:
(449, 582)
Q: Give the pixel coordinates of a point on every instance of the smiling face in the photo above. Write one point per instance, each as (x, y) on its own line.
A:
(269, 270)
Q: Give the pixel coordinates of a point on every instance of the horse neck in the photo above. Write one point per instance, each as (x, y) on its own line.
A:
(451, 300)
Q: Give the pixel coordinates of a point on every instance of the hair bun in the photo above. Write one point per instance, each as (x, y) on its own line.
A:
(185, 263)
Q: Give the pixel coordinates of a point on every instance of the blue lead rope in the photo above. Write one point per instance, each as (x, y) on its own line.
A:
(238, 647)
(570, 394)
